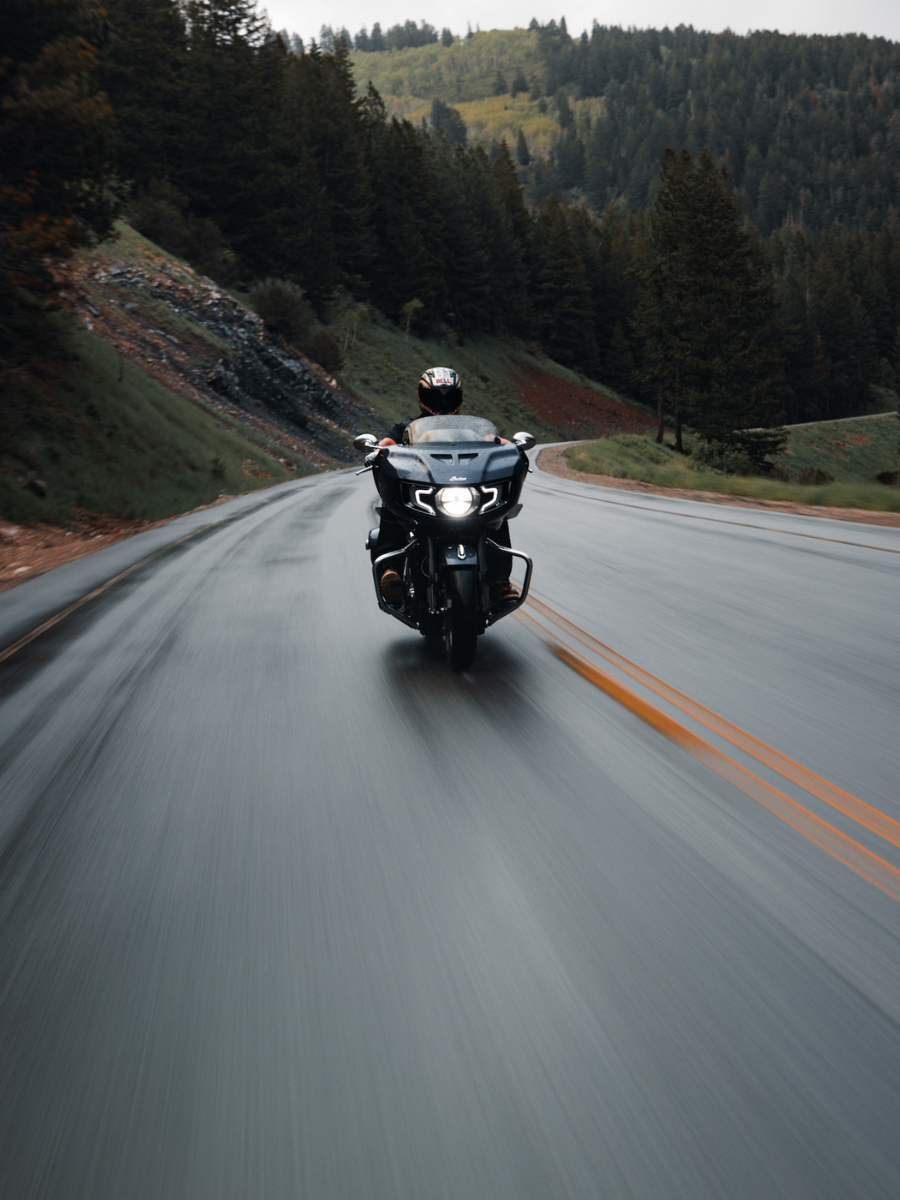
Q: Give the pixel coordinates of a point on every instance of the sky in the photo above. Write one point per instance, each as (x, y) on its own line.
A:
(874, 17)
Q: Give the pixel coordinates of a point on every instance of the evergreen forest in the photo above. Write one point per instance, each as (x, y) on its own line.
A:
(717, 232)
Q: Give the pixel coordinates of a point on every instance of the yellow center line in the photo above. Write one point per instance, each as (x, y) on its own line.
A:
(852, 854)
(850, 805)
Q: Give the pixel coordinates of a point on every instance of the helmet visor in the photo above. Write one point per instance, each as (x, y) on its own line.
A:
(440, 401)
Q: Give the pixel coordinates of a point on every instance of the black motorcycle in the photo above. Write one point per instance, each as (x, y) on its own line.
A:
(448, 492)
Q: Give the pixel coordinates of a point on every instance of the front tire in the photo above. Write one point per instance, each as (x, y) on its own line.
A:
(462, 621)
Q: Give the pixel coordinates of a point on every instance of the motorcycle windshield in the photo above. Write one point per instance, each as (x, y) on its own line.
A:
(447, 430)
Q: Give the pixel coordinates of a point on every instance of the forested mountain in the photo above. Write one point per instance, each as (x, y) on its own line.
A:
(255, 156)
(809, 126)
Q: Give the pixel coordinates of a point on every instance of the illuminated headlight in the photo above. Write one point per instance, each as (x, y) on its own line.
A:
(457, 501)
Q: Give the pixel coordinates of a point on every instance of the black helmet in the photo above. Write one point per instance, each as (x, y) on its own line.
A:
(440, 392)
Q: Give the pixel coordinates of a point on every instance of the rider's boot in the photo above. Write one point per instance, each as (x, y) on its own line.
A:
(503, 592)
(392, 589)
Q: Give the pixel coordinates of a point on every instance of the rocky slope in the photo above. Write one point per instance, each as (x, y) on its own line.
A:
(182, 329)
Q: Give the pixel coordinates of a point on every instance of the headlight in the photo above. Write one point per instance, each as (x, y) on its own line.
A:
(457, 501)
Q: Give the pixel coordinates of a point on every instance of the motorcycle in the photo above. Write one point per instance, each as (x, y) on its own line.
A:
(449, 488)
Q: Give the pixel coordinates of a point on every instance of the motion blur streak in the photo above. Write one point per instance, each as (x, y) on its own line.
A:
(850, 805)
(873, 868)
(718, 520)
(20, 643)
(289, 911)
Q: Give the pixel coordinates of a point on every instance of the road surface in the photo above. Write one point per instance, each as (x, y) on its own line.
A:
(289, 911)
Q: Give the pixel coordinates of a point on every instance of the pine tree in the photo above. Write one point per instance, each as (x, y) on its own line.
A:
(57, 188)
(150, 113)
(707, 310)
(523, 157)
(465, 251)
(407, 219)
(448, 120)
(562, 298)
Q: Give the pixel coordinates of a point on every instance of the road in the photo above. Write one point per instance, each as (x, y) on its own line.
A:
(288, 911)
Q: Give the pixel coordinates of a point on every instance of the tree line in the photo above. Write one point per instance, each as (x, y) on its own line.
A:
(257, 159)
(397, 37)
(809, 126)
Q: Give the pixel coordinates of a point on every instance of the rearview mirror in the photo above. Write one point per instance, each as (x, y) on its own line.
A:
(524, 441)
(365, 443)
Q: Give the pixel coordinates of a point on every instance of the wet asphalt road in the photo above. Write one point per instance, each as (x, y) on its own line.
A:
(289, 911)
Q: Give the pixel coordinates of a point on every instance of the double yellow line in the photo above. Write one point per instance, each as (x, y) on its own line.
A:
(871, 866)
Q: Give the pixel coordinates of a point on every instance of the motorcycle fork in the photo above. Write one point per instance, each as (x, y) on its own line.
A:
(484, 591)
(437, 603)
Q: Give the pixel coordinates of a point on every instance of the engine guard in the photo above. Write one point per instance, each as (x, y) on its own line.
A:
(529, 565)
(452, 558)
(382, 603)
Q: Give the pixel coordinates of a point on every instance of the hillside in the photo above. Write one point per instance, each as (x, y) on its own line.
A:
(512, 386)
(465, 75)
(159, 393)
(831, 465)
(463, 72)
(858, 450)
(165, 393)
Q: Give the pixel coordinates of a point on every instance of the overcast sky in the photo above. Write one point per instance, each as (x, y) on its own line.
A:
(877, 17)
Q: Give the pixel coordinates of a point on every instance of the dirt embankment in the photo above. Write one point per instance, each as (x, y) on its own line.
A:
(579, 407)
(553, 462)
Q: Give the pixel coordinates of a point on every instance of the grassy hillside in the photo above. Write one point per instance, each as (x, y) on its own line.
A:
(383, 367)
(465, 75)
(467, 70)
(496, 118)
(102, 436)
(820, 465)
(853, 451)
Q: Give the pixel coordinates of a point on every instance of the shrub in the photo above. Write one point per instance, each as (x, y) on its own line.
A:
(283, 308)
(716, 456)
(323, 347)
(815, 476)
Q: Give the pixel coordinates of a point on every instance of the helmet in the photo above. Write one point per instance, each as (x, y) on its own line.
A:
(440, 392)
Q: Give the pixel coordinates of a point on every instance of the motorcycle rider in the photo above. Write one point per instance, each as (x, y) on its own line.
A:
(440, 393)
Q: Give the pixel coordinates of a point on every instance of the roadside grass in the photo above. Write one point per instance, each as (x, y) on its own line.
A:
(104, 437)
(851, 451)
(628, 456)
(384, 366)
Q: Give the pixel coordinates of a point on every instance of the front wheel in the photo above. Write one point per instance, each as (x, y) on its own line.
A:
(462, 621)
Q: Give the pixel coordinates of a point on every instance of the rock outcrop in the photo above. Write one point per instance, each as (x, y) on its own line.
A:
(200, 342)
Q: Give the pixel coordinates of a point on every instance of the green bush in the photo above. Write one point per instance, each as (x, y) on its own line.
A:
(323, 348)
(283, 308)
(728, 459)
